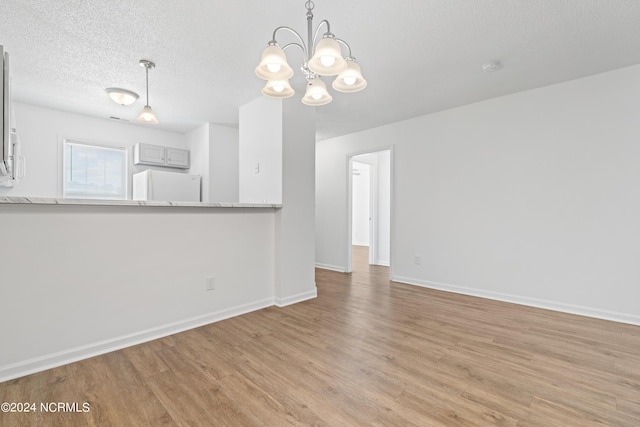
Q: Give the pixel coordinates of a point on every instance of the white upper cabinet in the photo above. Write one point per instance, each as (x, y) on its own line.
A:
(177, 158)
(147, 154)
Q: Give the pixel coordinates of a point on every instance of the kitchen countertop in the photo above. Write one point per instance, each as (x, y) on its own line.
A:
(90, 202)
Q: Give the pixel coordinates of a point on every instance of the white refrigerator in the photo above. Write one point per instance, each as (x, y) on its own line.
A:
(166, 186)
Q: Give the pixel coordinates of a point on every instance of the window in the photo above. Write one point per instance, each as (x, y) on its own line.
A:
(94, 171)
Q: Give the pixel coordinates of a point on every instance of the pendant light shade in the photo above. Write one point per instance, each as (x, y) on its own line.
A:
(316, 93)
(122, 96)
(350, 80)
(278, 89)
(327, 59)
(273, 65)
(147, 115)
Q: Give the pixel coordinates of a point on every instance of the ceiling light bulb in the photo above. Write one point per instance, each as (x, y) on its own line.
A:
(327, 61)
(278, 87)
(350, 80)
(274, 68)
(316, 95)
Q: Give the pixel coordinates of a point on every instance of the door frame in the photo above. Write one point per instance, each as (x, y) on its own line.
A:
(373, 201)
(373, 207)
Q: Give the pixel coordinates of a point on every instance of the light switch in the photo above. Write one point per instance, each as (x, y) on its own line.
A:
(256, 168)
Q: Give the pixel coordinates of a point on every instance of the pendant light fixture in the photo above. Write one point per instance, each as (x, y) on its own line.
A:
(321, 59)
(147, 115)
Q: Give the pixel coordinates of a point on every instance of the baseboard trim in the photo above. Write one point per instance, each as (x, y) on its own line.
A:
(337, 268)
(293, 299)
(531, 302)
(42, 363)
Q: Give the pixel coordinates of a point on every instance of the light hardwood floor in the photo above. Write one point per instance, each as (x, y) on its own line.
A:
(365, 352)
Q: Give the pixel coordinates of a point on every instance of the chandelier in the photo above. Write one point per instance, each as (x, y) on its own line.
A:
(321, 59)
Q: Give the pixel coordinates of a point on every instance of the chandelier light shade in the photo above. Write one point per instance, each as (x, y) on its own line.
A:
(122, 96)
(327, 59)
(350, 80)
(316, 94)
(147, 115)
(320, 59)
(278, 89)
(274, 64)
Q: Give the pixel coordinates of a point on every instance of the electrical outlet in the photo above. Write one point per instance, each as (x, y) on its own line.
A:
(211, 283)
(417, 260)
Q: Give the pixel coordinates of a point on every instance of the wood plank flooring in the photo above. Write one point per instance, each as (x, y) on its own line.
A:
(365, 352)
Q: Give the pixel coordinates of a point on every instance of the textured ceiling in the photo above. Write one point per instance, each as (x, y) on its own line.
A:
(419, 56)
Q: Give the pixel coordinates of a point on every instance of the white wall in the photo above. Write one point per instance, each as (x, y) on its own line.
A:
(295, 222)
(214, 156)
(223, 163)
(360, 199)
(42, 129)
(280, 134)
(198, 144)
(531, 197)
(331, 237)
(383, 245)
(83, 280)
(261, 147)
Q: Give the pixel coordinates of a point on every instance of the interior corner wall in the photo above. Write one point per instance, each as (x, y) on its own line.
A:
(223, 161)
(260, 151)
(530, 198)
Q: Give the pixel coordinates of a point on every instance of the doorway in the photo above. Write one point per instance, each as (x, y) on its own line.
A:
(369, 222)
(361, 206)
